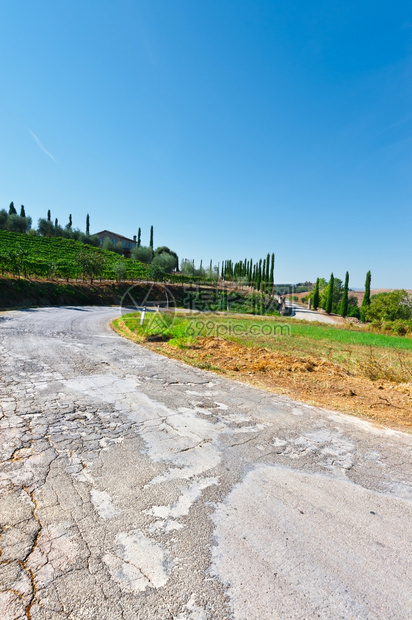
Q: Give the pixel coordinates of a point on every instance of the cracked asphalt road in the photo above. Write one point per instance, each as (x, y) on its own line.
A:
(133, 486)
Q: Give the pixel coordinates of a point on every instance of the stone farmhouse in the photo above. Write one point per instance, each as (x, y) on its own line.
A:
(127, 244)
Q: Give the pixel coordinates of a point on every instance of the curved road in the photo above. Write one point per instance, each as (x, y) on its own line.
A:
(133, 486)
(302, 313)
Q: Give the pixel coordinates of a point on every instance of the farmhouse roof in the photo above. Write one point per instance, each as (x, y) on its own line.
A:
(109, 232)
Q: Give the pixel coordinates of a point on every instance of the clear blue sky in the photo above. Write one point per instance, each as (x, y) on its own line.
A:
(235, 127)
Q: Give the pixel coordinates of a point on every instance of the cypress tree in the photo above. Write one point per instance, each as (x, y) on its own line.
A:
(344, 303)
(366, 301)
(259, 275)
(88, 225)
(49, 215)
(69, 225)
(151, 237)
(139, 237)
(267, 276)
(264, 271)
(12, 209)
(367, 296)
(329, 299)
(22, 211)
(56, 222)
(272, 270)
(316, 296)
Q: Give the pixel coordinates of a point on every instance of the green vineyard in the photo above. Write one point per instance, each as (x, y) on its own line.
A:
(57, 258)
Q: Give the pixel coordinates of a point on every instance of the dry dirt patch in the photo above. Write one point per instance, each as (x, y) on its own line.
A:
(308, 379)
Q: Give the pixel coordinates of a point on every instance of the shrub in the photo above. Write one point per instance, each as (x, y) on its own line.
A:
(119, 269)
(398, 327)
(156, 273)
(167, 262)
(331, 295)
(143, 254)
(165, 250)
(390, 307)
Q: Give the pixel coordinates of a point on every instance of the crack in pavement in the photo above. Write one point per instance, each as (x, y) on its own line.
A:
(103, 456)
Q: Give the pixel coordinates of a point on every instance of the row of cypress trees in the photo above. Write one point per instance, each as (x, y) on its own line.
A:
(260, 275)
(344, 303)
(139, 237)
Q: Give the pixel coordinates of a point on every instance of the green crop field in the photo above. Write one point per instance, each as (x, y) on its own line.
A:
(49, 257)
(31, 256)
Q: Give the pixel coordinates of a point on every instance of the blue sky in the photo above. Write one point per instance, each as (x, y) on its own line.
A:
(236, 128)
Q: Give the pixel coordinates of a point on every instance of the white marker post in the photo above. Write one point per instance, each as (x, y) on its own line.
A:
(142, 316)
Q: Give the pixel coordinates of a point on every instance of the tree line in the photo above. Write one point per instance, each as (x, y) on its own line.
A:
(259, 275)
(21, 223)
(11, 221)
(162, 261)
(334, 297)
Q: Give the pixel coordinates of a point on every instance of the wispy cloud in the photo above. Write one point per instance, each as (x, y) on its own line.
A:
(39, 144)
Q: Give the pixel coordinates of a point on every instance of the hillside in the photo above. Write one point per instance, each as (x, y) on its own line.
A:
(23, 293)
(50, 257)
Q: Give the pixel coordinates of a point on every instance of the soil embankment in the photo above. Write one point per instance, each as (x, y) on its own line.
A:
(24, 293)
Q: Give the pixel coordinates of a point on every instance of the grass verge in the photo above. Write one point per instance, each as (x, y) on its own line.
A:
(354, 371)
